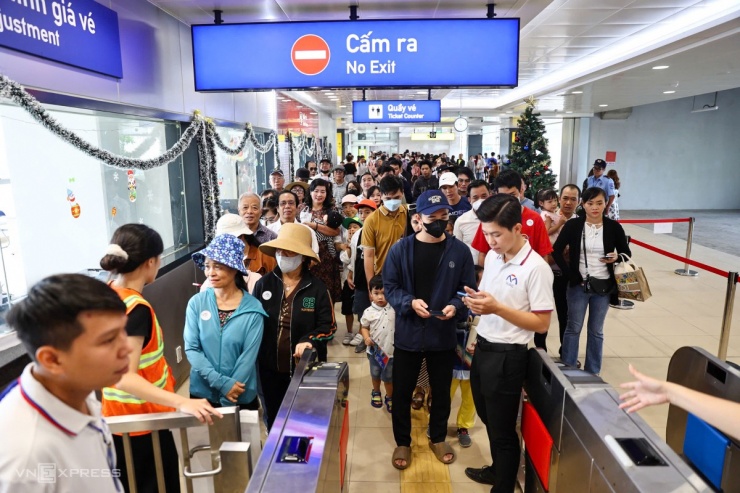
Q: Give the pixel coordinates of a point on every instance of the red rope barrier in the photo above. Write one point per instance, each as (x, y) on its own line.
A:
(651, 221)
(685, 260)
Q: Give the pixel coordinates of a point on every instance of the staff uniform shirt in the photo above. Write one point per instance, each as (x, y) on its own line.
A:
(533, 227)
(603, 182)
(464, 230)
(50, 447)
(523, 283)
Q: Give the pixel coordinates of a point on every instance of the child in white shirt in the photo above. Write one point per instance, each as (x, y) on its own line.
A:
(377, 327)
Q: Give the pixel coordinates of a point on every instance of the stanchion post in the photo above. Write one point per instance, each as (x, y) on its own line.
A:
(689, 240)
(724, 338)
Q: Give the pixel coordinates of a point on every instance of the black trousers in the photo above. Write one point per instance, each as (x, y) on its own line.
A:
(274, 387)
(496, 379)
(559, 288)
(143, 455)
(406, 366)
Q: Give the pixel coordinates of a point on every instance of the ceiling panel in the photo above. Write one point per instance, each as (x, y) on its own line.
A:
(557, 35)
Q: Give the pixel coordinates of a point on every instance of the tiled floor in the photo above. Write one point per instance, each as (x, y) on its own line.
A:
(683, 311)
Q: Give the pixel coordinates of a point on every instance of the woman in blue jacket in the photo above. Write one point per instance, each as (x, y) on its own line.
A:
(223, 329)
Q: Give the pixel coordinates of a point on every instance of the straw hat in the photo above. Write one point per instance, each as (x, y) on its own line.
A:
(292, 237)
(290, 186)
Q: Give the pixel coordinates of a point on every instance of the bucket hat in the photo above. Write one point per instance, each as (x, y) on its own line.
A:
(232, 224)
(225, 249)
(293, 238)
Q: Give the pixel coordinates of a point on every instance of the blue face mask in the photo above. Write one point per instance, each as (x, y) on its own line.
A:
(392, 204)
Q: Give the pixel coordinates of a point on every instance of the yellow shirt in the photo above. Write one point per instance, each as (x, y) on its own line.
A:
(381, 231)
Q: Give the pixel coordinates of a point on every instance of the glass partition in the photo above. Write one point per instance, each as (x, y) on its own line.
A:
(60, 206)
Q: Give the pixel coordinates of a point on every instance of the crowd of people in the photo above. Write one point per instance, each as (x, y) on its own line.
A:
(448, 269)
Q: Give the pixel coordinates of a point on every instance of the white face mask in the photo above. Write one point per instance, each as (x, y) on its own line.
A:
(392, 204)
(477, 204)
(288, 264)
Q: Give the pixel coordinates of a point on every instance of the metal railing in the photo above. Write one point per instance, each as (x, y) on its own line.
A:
(231, 467)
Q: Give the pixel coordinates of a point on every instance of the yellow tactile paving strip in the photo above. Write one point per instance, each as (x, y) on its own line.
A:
(425, 474)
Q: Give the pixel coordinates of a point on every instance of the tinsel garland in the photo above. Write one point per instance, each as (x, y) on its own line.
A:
(15, 92)
(202, 129)
(289, 140)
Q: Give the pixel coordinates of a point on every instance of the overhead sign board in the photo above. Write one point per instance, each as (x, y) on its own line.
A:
(357, 54)
(82, 33)
(396, 111)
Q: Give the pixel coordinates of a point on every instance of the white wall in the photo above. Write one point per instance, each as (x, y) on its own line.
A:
(157, 56)
(670, 158)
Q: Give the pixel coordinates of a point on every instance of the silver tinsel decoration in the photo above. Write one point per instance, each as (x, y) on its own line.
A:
(201, 128)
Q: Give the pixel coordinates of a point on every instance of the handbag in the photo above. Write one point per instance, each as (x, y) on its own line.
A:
(632, 283)
(592, 284)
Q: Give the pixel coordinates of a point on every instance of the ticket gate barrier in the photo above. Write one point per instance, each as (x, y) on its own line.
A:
(712, 453)
(230, 456)
(577, 439)
(306, 449)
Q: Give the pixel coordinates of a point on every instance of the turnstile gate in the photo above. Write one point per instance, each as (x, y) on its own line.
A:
(715, 455)
(577, 438)
(307, 447)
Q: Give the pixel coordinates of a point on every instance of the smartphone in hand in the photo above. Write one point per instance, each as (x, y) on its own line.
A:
(436, 313)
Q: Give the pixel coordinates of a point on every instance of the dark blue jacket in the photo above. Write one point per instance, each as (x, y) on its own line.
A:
(454, 271)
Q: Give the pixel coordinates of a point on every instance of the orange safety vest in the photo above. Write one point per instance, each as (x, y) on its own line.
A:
(152, 366)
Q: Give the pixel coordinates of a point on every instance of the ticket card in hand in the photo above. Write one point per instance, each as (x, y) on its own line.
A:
(464, 355)
(380, 356)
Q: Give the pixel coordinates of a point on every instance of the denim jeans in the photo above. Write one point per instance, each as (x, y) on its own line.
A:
(597, 306)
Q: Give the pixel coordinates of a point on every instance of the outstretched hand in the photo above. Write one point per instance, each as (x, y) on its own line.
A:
(644, 392)
(200, 408)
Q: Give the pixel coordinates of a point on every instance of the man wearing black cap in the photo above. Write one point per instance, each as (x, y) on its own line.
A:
(277, 180)
(324, 169)
(303, 174)
(421, 276)
(599, 179)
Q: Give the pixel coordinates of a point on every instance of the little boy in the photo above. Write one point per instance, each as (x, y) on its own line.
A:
(377, 327)
(54, 438)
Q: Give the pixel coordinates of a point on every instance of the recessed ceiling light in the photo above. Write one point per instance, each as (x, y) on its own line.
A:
(569, 112)
(508, 112)
(668, 92)
(660, 67)
(348, 113)
(313, 113)
(342, 105)
(603, 105)
(576, 92)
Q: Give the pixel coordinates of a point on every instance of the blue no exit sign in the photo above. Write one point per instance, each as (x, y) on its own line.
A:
(396, 111)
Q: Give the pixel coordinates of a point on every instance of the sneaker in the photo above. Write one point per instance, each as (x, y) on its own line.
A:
(357, 339)
(375, 399)
(360, 347)
(348, 338)
(578, 363)
(464, 437)
(483, 475)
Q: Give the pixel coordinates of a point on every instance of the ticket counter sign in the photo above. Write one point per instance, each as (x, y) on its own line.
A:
(82, 33)
(396, 111)
(356, 54)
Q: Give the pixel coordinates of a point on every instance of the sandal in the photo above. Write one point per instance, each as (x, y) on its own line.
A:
(440, 450)
(375, 400)
(417, 401)
(401, 453)
(389, 403)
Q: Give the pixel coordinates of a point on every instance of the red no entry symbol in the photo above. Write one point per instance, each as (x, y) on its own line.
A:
(310, 54)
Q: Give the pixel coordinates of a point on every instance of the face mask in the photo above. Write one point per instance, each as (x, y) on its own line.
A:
(436, 228)
(477, 204)
(288, 264)
(392, 204)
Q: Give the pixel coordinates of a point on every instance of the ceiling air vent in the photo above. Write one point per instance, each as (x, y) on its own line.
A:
(621, 114)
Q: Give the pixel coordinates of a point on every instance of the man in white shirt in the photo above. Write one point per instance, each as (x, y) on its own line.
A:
(515, 300)
(288, 209)
(467, 225)
(54, 437)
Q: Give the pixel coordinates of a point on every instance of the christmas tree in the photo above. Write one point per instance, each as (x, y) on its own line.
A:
(529, 154)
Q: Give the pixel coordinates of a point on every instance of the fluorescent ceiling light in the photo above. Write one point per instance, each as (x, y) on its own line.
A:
(508, 112)
(668, 92)
(342, 105)
(421, 92)
(661, 67)
(576, 92)
(569, 112)
(603, 105)
(313, 113)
